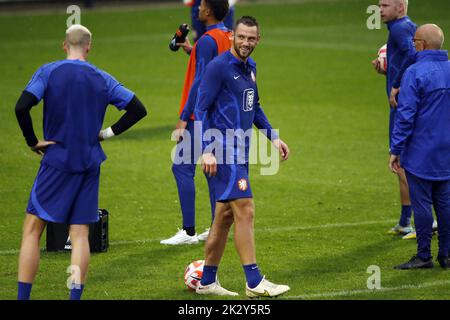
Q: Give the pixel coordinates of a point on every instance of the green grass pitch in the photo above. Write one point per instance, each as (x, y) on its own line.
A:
(320, 222)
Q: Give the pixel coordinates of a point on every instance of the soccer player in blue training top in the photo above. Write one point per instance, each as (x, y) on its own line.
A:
(400, 55)
(228, 100)
(421, 143)
(215, 41)
(75, 95)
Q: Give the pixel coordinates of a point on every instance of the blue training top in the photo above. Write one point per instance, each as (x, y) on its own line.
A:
(76, 95)
(206, 50)
(400, 50)
(421, 132)
(228, 99)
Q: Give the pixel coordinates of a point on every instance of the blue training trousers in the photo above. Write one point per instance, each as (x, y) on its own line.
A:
(424, 194)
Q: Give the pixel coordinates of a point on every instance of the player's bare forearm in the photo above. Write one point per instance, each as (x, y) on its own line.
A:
(282, 148)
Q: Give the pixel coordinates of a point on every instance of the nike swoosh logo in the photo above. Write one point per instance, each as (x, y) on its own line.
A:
(265, 294)
(235, 78)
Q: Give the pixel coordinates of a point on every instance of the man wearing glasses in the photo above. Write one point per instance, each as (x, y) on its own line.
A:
(421, 143)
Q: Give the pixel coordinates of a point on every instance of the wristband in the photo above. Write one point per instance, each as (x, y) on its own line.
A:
(107, 133)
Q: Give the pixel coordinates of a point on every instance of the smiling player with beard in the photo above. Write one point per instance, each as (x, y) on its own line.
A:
(228, 99)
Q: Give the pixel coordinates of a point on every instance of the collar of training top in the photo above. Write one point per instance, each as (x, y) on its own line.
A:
(394, 22)
(240, 63)
(220, 25)
(432, 55)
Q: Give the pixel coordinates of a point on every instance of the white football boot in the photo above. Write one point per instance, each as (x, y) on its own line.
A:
(266, 289)
(203, 236)
(410, 236)
(181, 237)
(215, 289)
(399, 230)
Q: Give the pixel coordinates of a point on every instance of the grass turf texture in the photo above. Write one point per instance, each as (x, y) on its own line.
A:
(316, 85)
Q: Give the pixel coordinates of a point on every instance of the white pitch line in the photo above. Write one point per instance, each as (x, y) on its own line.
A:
(367, 291)
(325, 226)
(279, 229)
(125, 242)
(113, 243)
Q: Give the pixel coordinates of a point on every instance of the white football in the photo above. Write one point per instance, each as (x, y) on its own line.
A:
(193, 274)
(382, 57)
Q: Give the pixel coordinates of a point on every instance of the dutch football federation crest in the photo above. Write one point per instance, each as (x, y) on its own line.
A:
(249, 99)
(242, 184)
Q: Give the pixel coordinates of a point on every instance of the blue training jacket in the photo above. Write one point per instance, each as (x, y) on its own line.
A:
(422, 126)
(400, 50)
(228, 99)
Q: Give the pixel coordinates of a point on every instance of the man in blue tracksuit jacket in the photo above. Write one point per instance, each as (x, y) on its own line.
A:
(421, 143)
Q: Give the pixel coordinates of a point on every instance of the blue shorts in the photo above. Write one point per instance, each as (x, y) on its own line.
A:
(231, 182)
(63, 197)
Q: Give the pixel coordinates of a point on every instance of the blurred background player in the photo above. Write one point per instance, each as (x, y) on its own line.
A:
(228, 100)
(215, 41)
(198, 26)
(400, 55)
(421, 143)
(75, 95)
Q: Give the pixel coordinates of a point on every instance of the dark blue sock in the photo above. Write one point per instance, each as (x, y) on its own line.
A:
(209, 275)
(252, 275)
(24, 291)
(76, 291)
(190, 231)
(405, 218)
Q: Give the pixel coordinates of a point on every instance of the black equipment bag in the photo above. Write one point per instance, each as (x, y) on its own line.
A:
(58, 235)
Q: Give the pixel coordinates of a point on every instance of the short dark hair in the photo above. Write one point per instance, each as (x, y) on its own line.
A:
(219, 8)
(249, 21)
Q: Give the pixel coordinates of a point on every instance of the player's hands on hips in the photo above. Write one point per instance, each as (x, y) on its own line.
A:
(186, 45)
(41, 146)
(179, 130)
(209, 164)
(394, 163)
(393, 97)
(376, 64)
(282, 148)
